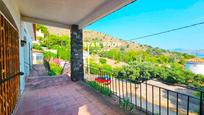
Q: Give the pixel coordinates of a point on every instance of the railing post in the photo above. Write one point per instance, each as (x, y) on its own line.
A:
(131, 91)
(167, 102)
(126, 88)
(177, 103)
(116, 90)
(135, 95)
(141, 96)
(146, 97)
(201, 103)
(188, 99)
(153, 99)
(159, 101)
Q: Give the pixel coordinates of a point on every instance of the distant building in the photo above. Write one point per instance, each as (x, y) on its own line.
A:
(196, 65)
(37, 56)
(39, 34)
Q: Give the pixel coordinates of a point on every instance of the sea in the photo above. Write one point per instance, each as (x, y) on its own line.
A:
(200, 55)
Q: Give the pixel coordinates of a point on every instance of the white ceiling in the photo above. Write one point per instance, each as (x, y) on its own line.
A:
(63, 13)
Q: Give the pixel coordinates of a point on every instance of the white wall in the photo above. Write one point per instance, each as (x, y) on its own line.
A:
(25, 52)
(197, 68)
(36, 57)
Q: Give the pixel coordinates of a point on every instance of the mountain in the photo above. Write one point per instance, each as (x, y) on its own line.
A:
(107, 41)
(198, 53)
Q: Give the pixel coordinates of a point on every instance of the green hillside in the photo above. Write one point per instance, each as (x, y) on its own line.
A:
(142, 61)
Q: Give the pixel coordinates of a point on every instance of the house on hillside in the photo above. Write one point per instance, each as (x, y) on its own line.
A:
(196, 65)
(39, 34)
(37, 56)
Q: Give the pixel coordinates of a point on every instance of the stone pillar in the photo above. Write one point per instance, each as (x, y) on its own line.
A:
(77, 69)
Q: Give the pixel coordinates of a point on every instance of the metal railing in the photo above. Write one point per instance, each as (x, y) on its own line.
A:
(153, 99)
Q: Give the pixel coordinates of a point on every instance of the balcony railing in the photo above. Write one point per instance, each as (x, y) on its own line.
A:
(151, 99)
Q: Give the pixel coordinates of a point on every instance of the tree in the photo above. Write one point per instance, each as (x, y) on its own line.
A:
(102, 60)
(44, 29)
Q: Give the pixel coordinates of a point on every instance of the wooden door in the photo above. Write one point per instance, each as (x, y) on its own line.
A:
(9, 67)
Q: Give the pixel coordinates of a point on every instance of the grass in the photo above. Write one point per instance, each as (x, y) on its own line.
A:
(104, 90)
(125, 103)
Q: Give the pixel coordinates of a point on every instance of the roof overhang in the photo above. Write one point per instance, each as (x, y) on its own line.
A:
(64, 13)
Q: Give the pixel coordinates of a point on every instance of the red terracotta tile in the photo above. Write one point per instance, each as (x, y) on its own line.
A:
(59, 96)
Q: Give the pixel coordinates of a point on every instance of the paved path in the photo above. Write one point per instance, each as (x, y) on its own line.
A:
(38, 70)
(60, 96)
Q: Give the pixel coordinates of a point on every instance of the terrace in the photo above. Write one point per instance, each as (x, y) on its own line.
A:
(46, 95)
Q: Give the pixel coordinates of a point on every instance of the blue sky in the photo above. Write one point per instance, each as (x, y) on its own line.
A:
(145, 17)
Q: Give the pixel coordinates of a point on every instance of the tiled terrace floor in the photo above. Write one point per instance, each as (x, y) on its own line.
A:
(61, 96)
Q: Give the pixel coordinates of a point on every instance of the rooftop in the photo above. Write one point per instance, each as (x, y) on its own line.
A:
(195, 60)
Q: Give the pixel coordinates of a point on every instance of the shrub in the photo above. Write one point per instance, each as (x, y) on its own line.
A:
(49, 55)
(106, 68)
(104, 90)
(37, 47)
(102, 60)
(54, 69)
(94, 68)
(126, 104)
(51, 73)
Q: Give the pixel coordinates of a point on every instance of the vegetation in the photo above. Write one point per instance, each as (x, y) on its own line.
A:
(54, 69)
(173, 74)
(154, 55)
(152, 63)
(102, 60)
(141, 71)
(59, 43)
(43, 29)
(48, 55)
(55, 42)
(95, 68)
(37, 47)
(104, 90)
(144, 62)
(126, 104)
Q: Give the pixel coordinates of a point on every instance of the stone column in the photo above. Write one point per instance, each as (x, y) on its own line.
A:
(77, 69)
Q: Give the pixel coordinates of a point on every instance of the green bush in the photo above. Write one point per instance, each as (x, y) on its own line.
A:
(55, 69)
(126, 104)
(174, 74)
(106, 68)
(104, 90)
(51, 73)
(49, 55)
(37, 47)
(102, 60)
(94, 68)
(43, 28)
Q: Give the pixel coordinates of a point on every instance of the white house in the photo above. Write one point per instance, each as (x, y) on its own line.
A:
(196, 66)
(37, 56)
(39, 34)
